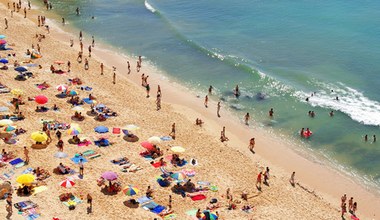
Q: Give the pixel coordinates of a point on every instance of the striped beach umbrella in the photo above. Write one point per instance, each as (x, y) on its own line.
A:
(130, 191)
(4, 122)
(72, 93)
(62, 87)
(178, 176)
(9, 128)
(67, 183)
(74, 131)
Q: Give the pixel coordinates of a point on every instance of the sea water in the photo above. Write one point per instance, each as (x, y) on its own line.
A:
(279, 52)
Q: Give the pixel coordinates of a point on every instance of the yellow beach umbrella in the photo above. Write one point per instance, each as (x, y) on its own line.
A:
(39, 136)
(25, 179)
(4, 122)
(178, 149)
(17, 92)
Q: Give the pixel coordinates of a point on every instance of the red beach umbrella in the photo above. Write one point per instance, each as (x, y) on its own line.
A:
(41, 99)
(147, 145)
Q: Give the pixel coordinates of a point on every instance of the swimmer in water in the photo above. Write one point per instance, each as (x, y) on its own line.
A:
(236, 91)
(271, 112)
(331, 113)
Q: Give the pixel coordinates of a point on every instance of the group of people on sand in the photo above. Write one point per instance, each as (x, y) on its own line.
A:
(352, 206)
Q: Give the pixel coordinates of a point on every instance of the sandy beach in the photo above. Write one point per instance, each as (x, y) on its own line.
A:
(229, 165)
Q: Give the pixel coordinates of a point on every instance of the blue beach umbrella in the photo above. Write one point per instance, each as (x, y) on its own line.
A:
(2, 36)
(4, 61)
(101, 129)
(21, 69)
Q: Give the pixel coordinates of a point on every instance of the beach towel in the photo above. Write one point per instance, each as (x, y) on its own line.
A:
(28, 170)
(88, 152)
(158, 209)
(25, 205)
(353, 217)
(157, 164)
(102, 143)
(198, 197)
(88, 101)
(143, 199)
(203, 183)
(166, 138)
(16, 161)
(170, 216)
(183, 164)
(8, 174)
(192, 212)
(116, 130)
(81, 144)
(150, 205)
(39, 189)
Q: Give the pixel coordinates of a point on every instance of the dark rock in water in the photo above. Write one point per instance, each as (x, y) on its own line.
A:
(222, 99)
(260, 96)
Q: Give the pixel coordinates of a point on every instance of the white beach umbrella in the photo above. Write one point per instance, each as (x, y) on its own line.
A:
(154, 140)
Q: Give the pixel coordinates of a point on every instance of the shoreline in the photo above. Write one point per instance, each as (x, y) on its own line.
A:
(179, 96)
(189, 106)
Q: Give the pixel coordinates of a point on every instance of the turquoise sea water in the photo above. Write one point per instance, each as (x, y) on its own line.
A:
(277, 51)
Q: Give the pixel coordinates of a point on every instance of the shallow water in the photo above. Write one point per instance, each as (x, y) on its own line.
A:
(278, 52)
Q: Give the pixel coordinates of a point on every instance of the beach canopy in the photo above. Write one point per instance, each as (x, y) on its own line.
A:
(67, 183)
(9, 128)
(101, 129)
(178, 176)
(62, 87)
(39, 136)
(17, 92)
(4, 109)
(154, 140)
(147, 145)
(131, 127)
(109, 175)
(4, 61)
(74, 130)
(25, 179)
(41, 99)
(21, 69)
(60, 155)
(178, 149)
(130, 191)
(4, 122)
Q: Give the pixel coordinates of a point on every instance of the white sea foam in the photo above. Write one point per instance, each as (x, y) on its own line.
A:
(351, 102)
(149, 6)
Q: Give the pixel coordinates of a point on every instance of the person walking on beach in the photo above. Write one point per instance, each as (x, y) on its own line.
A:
(89, 51)
(114, 77)
(129, 67)
(172, 134)
(81, 46)
(350, 204)
(147, 87)
(26, 154)
(354, 207)
(266, 176)
(251, 145)
(138, 66)
(71, 42)
(81, 168)
(246, 118)
(6, 23)
(29, 5)
(93, 42)
(89, 202)
(210, 90)
(68, 66)
(218, 110)
(170, 202)
(159, 90)
(86, 64)
(101, 68)
(25, 12)
(142, 79)
(344, 209)
(8, 206)
(158, 102)
(79, 59)
(292, 181)
(258, 181)
(206, 101)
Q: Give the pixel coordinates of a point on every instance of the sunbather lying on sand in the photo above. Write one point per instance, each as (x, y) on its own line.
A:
(121, 161)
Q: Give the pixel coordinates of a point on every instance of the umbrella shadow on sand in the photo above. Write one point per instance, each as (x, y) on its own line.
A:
(105, 191)
(131, 204)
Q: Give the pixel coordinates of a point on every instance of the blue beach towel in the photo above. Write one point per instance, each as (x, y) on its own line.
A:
(158, 209)
(15, 161)
(151, 205)
(143, 200)
(183, 164)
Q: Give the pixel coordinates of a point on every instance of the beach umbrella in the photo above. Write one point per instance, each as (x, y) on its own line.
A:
(59, 62)
(61, 155)
(72, 93)
(9, 128)
(154, 140)
(41, 99)
(4, 122)
(3, 41)
(178, 176)
(178, 149)
(17, 92)
(188, 172)
(67, 183)
(130, 191)
(4, 61)
(147, 145)
(212, 215)
(25, 179)
(131, 127)
(166, 138)
(74, 131)
(21, 69)
(4, 109)
(2, 36)
(39, 136)
(72, 125)
(109, 175)
(100, 106)
(62, 87)
(77, 109)
(101, 129)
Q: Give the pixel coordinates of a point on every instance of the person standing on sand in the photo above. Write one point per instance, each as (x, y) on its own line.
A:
(86, 64)
(344, 209)
(68, 66)
(81, 167)
(101, 68)
(114, 78)
(206, 101)
(129, 67)
(292, 181)
(25, 12)
(266, 176)
(170, 202)
(147, 87)
(246, 118)
(6, 23)
(29, 5)
(258, 181)
(93, 42)
(142, 79)
(81, 46)
(26, 154)
(350, 203)
(89, 51)
(159, 90)
(71, 42)
(251, 144)
(89, 200)
(172, 134)
(140, 61)
(354, 208)
(158, 102)
(218, 110)
(8, 206)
